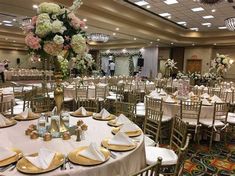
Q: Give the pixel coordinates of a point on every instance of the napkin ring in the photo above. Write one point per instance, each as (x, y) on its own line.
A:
(47, 137)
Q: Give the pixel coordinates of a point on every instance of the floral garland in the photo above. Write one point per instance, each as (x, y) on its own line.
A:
(220, 64)
(56, 31)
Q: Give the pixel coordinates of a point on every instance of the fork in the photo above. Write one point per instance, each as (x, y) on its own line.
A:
(69, 163)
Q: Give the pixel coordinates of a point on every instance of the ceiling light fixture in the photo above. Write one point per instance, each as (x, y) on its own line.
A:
(164, 14)
(6, 21)
(85, 20)
(169, 2)
(213, 10)
(182, 23)
(222, 27)
(148, 6)
(8, 24)
(114, 33)
(141, 3)
(86, 27)
(210, 2)
(208, 17)
(197, 9)
(230, 23)
(206, 24)
(194, 29)
(98, 37)
(135, 38)
(35, 6)
(117, 29)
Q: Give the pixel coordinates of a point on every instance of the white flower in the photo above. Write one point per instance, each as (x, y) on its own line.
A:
(225, 61)
(60, 58)
(49, 8)
(59, 40)
(58, 27)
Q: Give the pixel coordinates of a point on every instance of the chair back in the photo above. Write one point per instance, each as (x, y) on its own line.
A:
(100, 92)
(6, 108)
(152, 123)
(127, 109)
(134, 97)
(41, 104)
(178, 134)
(81, 92)
(220, 112)
(153, 103)
(153, 170)
(89, 105)
(190, 110)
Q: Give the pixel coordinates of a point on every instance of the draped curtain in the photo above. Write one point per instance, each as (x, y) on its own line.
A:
(150, 56)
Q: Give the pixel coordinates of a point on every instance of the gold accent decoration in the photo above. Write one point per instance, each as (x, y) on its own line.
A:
(76, 114)
(66, 135)
(12, 122)
(75, 158)
(11, 159)
(32, 116)
(129, 133)
(47, 137)
(54, 126)
(121, 148)
(98, 117)
(27, 167)
(34, 135)
(114, 123)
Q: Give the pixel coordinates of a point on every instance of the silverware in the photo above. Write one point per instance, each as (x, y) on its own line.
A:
(14, 165)
(63, 166)
(3, 169)
(69, 163)
(113, 155)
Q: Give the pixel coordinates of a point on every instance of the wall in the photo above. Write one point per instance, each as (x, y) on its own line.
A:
(12, 55)
(164, 53)
(203, 53)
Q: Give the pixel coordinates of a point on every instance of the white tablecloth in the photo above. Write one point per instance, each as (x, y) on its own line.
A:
(125, 163)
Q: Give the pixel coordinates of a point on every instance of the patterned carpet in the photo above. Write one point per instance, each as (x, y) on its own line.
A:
(219, 161)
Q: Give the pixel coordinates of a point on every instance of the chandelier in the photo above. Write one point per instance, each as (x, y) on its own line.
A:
(210, 2)
(230, 23)
(98, 37)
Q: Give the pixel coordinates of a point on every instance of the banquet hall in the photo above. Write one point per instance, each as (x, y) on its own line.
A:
(117, 87)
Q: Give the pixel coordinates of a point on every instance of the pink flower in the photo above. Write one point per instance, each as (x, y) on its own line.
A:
(52, 48)
(34, 20)
(75, 21)
(82, 24)
(66, 47)
(32, 41)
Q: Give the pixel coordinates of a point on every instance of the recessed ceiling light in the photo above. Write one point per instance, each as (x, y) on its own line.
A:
(148, 6)
(206, 24)
(197, 9)
(208, 17)
(151, 42)
(213, 10)
(85, 20)
(14, 41)
(117, 29)
(194, 29)
(114, 33)
(35, 6)
(169, 2)
(141, 3)
(181, 22)
(222, 27)
(135, 38)
(6, 38)
(164, 14)
(215, 44)
(8, 24)
(193, 44)
(86, 27)
(0, 23)
(172, 43)
(14, 19)
(158, 39)
(169, 17)
(6, 21)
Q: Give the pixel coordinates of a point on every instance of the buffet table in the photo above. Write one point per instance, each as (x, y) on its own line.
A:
(125, 163)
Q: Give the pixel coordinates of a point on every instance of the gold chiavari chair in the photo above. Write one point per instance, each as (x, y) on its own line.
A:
(134, 97)
(89, 105)
(152, 123)
(81, 93)
(1, 97)
(216, 92)
(173, 157)
(100, 92)
(218, 123)
(153, 170)
(18, 91)
(190, 113)
(41, 104)
(127, 109)
(6, 108)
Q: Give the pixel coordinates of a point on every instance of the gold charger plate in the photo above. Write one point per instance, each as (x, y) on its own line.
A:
(98, 117)
(120, 148)
(12, 159)
(27, 167)
(113, 123)
(31, 117)
(80, 115)
(11, 123)
(75, 158)
(129, 133)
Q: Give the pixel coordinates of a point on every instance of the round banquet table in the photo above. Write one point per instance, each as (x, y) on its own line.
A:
(125, 163)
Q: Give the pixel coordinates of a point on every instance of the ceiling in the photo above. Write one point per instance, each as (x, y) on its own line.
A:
(137, 27)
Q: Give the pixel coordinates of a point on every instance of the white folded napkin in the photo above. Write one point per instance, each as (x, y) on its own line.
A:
(202, 86)
(205, 102)
(3, 120)
(205, 89)
(120, 82)
(196, 86)
(205, 95)
(215, 98)
(73, 83)
(162, 92)
(93, 152)
(5, 153)
(43, 160)
(81, 111)
(104, 113)
(121, 139)
(228, 90)
(169, 99)
(26, 113)
(54, 111)
(175, 93)
(191, 94)
(70, 86)
(129, 127)
(121, 119)
(154, 94)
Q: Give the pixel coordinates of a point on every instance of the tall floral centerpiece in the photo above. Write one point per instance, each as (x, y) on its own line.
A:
(56, 33)
(220, 65)
(170, 64)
